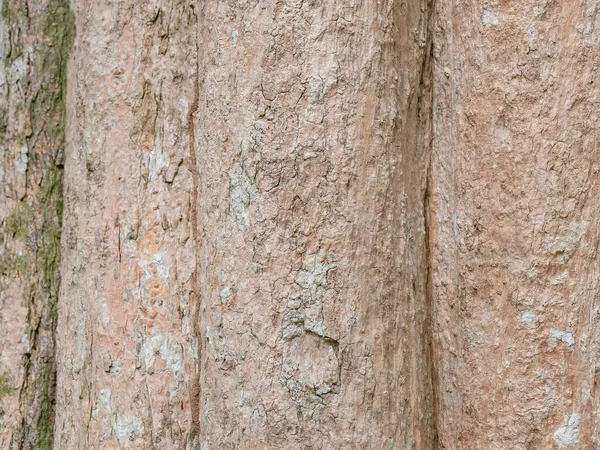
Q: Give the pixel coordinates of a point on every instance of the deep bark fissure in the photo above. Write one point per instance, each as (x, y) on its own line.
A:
(430, 314)
(196, 300)
(427, 133)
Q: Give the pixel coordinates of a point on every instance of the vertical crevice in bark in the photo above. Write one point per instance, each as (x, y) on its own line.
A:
(196, 300)
(411, 234)
(429, 331)
(426, 131)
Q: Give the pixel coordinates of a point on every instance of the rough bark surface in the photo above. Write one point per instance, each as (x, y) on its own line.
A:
(516, 176)
(301, 225)
(233, 274)
(35, 38)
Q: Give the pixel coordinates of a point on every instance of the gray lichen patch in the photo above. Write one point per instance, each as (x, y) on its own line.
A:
(310, 367)
(564, 336)
(225, 294)
(489, 15)
(528, 317)
(127, 426)
(220, 348)
(6, 385)
(310, 371)
(169, 351)
(252, 412)
(568, 434)
(103, 404)
(22, 162)
(304, 310)
(566, 240)
(242, 190)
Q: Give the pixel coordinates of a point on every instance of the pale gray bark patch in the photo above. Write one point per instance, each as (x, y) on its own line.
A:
(242, 192)
(564, 336)
(568, 434)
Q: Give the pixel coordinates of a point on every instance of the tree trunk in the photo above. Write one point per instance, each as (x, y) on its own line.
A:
(35, 39)
(300, 225)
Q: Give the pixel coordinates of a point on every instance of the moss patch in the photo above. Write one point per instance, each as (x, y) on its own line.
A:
(47, 108)
(48, 116)
(6, 385)
(48, 248)
(17, 264)
(11, 17)
(20, 222)
(45, 422)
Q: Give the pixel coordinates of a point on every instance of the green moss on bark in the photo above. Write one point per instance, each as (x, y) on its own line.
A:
(47, 108)
(14, 17)
(19, 223)
(48, 116)
(45, 422)
(37, 219)
(6, 385)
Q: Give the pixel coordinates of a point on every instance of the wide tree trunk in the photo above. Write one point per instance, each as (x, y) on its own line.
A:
(294, 224)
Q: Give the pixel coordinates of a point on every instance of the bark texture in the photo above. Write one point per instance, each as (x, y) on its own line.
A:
(233, 274)
(516, 225)
(35, 39)
(302, 225)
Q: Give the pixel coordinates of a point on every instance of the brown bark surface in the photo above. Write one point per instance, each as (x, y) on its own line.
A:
(306, 225)
(35, 39)
(244, 243)
(516, 225)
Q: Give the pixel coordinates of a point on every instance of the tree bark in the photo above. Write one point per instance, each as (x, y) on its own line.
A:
(35, 40)
(296, 224)
(517, 191)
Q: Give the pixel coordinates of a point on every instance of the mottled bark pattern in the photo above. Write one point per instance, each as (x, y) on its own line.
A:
(515, 205)
(300, 224)
(313, 147)
(35, 39)
(245, 259)
(127, 346)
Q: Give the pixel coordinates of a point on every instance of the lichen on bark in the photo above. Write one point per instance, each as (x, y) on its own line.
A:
(300, 224)
(37, 39)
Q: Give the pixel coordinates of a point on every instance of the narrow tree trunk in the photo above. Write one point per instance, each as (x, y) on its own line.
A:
(35, 39)
(127, 335)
